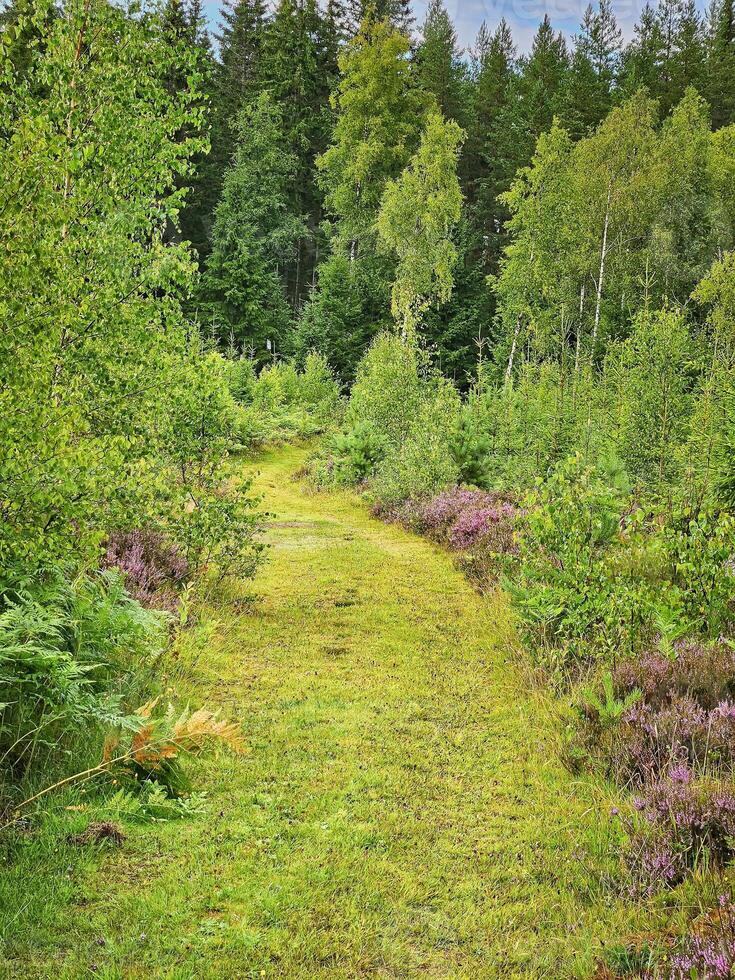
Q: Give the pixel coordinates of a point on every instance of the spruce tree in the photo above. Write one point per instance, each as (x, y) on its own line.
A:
(489, 158)
(593, 69)
(254, 234)
(236, 83)
(641, 58)
(720, 63)
(439, 68)
(299, 69)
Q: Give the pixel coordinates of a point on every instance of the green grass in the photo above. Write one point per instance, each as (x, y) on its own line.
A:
(402, 812)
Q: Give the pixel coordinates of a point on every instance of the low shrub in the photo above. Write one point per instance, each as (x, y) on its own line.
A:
(72, 648)
(574, 601)
(152, 566)
(674, 710)
(356, 454)
(689, 823)
(477, 525)
(283, 403)
(422, 463)
(707, 952)
(700, 551)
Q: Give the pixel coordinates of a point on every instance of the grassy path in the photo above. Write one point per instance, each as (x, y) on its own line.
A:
(402, 812)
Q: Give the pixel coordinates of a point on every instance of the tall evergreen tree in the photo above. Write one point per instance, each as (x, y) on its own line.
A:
(592, 73)
(439, 68)
(236, 82)
(641, 58)
(487, 159)
(720, 65)
(299, 70)
(254, 234)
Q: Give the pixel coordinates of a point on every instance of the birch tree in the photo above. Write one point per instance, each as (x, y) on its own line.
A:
(417, 218)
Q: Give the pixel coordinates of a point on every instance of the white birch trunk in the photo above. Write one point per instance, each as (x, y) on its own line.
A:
(601, 277)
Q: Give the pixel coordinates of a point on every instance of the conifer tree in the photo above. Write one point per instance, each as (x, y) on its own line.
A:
(299, 70)
(720, 64)
(489, 155)
(236, 83)
(592, 73)
(439, 69)
(254, 234)
(640, 60)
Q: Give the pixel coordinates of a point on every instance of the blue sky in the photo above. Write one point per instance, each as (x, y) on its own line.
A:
(522, 15)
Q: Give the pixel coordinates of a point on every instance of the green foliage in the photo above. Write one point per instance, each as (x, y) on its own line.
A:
(114, 414)
(403, 418)
(356, 454)
(282, 402)
(699, 549)
(388, 391)
(423, 463)
(439, 66)
(653, 375)
(93, 327)
(151, 802)
(380, 113)
(350, 305)
(418, 214)
(470, 447)
(574, 602)
(608, 708)
(69, 649)
(253, 234)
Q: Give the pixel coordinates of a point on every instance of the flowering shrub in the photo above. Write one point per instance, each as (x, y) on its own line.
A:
(708, 952)
(687, 823)
(151, 565)
(686, 712)
(476, 525)
(697, 815)
(704, 672)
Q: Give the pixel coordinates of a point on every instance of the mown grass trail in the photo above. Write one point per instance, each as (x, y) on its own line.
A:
(402, 812)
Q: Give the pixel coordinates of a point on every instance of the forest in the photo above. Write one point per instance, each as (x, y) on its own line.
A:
(367, 492)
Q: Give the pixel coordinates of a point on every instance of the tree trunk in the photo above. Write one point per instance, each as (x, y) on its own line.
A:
(297, 283)
(601, 277)
(511, 358)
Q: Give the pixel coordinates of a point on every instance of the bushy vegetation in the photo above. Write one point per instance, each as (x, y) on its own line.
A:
(281, 401)
(117, 420)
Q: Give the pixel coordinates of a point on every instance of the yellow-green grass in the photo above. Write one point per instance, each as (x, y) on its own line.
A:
(402, 812)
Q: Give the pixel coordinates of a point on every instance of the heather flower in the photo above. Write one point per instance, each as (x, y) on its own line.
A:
(479, 524)
(150, 564)
(687, 819)
(703, 672)
(473, 525)
(708, 952)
